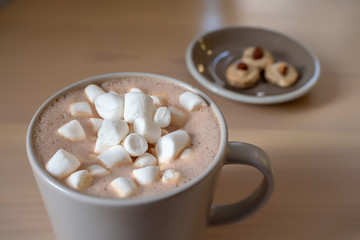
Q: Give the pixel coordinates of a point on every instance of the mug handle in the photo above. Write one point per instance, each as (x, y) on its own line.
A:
(247, 154)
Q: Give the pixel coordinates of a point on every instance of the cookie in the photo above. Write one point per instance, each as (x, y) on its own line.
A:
(282, 74)
(257, 57)
(240, 75)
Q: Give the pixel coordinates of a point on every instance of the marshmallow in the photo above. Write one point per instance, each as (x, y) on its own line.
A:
(110, 105)
(80, 109)
(136, 90)
(178, 117)
(148, 129)
(159, 101)
(145, 160)
(93, 91)
(137, 105)
(62, 163)
(96, 123)
(186, 154)
(97, 171)
(191, 101)
(79, 180)
(113, 131)
(135, 144)
(162, 117)
(123, 187)
(114, 156)
(101, 147)
(169, 146)
(171, 176)
(147, 175)
(72, 131)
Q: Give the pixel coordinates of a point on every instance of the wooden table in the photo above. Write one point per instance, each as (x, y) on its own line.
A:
(314, 142)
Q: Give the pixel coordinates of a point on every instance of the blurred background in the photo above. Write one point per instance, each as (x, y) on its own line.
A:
(52, 44)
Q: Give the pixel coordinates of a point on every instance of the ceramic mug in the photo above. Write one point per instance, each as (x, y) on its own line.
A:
(182, 213)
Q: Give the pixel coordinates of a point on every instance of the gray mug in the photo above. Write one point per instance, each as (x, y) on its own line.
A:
(182, 213)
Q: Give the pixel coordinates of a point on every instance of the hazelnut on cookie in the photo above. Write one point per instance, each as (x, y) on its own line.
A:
(257, 57)
(241, 75)
(282, 74)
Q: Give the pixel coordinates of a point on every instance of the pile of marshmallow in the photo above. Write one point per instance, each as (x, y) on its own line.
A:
(131, 130)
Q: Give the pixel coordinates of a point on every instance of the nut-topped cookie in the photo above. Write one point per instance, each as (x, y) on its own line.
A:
(241, 75)
(257, 57)
(282, 74)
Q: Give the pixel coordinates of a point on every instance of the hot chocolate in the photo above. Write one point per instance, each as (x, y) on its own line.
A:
(201, 125)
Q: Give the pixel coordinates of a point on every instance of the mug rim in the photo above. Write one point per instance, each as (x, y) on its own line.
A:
(40, 171)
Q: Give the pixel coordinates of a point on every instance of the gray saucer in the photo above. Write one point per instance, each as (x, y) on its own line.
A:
(208, 56)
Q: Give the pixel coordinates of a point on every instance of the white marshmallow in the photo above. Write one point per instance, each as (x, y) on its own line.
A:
(145, 160)
(114, 156)
(123, 187)
(178, 117)
(93, 91)
(113, 131)
(159, 101)
(186, 154)
(72, 131)
(171, 176)
(110, 106)
(97, 171)
(191, 101)
(135, 144)
(80, 109)
(169, 146)
(136, 90)
(162, 117)
(96, 123)
(147, 175)
(62, 163)
(148, 129)
(101, 147)
(137, 105)
(79, 180)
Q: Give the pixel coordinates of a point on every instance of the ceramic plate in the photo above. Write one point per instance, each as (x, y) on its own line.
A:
(208, 56)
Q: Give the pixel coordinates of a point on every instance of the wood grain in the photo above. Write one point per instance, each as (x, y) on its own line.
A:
(313, 142)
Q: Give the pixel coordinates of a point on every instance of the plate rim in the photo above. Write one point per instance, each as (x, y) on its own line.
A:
(280, 98)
